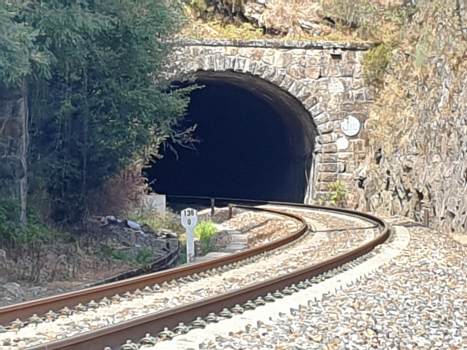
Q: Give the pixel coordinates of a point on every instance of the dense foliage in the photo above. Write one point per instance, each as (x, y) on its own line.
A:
(12, 236)
(94, 98)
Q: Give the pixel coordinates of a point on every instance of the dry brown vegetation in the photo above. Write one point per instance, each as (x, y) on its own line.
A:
(122, 192)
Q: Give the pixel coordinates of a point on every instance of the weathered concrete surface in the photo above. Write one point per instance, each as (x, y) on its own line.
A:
(315, 84)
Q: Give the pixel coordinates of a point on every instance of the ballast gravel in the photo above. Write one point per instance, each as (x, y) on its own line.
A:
(312, 249)
(417, 301)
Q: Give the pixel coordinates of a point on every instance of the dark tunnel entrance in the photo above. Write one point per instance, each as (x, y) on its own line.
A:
(256, 143)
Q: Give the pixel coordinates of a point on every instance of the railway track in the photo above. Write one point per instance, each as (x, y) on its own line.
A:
(232, 282)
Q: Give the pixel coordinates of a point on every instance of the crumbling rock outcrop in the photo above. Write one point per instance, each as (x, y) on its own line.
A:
(287, 17)
(417, 155)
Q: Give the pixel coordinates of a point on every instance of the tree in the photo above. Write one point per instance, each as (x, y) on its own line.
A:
(17, 55)
(90, 69)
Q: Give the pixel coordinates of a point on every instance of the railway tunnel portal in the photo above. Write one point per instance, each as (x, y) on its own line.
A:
(271, 119)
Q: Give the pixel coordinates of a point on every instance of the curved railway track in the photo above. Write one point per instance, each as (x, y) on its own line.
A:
(153, 323)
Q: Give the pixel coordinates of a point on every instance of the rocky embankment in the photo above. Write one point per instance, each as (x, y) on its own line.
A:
(114, 246)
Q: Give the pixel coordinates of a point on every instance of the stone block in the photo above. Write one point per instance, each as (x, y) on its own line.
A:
(325, 128)
(322, 186)
(195, 51)
(296, 72)
(287, 82)
(229, 62)
(257, 54)
(284, 60)
(268, 56)
(350, 57)
(246, 52)
(269, 73)
(322, 85)
(327, 177)
(231, 51)
(320, 194)
(327, 167)
(321, 118)
(296, 88)
(251, 66)
(312, 72)
(347, 106)
(327, 138)
(297, 52)
(260, 69)
(347, 71)
(329, 158)
(219, 63)
(359, 145)
(336, 86)
(310, 103)
(360, 156)
(240, 64)
(333, 104)
(312, 58)
(336, 116)
(346, 179)
(329, 148)
(344, 156)
(209, 63)
(317, 109)
(304, 93)
(331, 71)
(279, 76)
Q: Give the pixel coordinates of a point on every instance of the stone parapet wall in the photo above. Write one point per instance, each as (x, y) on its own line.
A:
(325, 77)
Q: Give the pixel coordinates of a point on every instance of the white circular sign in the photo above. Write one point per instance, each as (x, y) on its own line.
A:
(350, 126)
(342, 143)
(189, 218)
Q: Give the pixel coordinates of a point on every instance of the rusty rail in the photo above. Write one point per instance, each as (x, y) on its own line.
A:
(115, 336)
(41, 306)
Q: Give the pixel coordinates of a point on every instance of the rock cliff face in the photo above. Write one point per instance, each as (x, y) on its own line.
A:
(274, 17)
(285, 17)
(417, 156)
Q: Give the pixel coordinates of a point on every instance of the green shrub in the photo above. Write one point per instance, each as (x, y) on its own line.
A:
(11, 232)
(335, 196)
(376, 62)
(144, 256)
(204, 231)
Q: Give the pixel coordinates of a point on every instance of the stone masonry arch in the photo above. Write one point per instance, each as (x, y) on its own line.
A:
(326, 78)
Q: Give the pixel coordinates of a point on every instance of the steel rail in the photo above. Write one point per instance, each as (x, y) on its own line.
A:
(114, 336)
(26, 309)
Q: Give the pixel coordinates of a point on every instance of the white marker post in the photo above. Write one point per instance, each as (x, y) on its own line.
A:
(189, 221)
